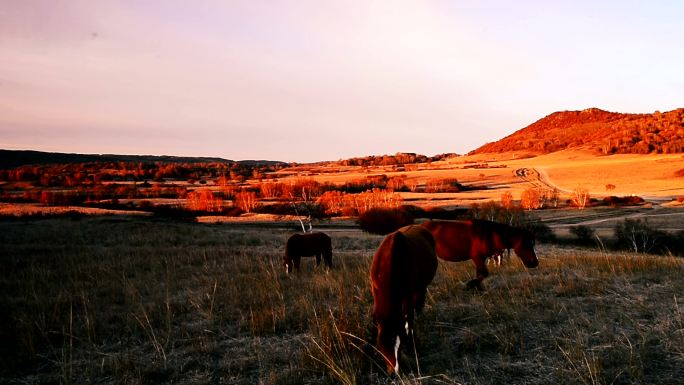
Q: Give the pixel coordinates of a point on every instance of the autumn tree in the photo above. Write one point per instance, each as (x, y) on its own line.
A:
(532, 198)
(204, 200)
(270, 189)
(507, 200)
(553, 196)
(580, 197)
(303, 194)
(246, 200)
(376, 198)
(333, 202)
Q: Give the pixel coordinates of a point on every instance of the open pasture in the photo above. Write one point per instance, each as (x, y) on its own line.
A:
(113, 300)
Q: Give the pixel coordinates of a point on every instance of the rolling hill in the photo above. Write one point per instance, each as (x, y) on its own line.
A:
(14, 158)
(598, 131)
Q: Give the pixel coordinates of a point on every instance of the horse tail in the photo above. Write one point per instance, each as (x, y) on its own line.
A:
(327, 250)
(400, 265)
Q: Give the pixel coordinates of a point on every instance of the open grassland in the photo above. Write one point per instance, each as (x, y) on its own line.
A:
(128, 300)
(653, 176)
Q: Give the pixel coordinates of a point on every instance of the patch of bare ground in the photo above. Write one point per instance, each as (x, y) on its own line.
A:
(125, 300)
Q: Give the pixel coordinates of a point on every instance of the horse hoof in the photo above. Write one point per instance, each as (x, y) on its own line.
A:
(474, 284)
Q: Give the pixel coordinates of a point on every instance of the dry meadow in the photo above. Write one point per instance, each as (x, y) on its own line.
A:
(136, 300)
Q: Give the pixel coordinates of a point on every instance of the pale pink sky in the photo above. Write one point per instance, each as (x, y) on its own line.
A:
(322, 80)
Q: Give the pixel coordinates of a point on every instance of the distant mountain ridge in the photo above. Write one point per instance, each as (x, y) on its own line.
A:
(16, 158)
(599, 131)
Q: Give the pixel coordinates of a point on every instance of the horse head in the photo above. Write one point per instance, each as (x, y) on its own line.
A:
(388, 341)
(523, 244)
(290, 251)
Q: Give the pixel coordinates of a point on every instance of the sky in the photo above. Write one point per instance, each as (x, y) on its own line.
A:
(312, 80)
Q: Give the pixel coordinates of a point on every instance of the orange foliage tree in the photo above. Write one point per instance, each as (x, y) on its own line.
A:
(246, 200)
(532, 198)
(580, 197)
(507, 200)
(204, 200)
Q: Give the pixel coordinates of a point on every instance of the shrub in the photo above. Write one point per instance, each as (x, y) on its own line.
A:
(380, 220)
(541, 231)
(233, 211)
(584, 234)
(313, 210)
(638, 236)
(514, 216)
(492, 211)
(623, 201)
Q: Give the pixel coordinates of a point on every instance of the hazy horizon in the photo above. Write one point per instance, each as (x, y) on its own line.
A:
(308, 81)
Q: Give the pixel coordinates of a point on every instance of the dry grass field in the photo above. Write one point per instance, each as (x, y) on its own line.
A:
(135, 300)
(651, 176)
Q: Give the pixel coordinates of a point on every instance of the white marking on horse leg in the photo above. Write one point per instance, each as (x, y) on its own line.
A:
(406, 326)
(396, 355)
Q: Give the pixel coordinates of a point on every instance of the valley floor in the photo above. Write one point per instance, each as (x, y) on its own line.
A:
(133, 300)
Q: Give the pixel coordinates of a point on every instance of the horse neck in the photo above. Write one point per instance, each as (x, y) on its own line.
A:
(517, 239)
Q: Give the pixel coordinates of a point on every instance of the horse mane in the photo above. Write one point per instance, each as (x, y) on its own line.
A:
(483, 227)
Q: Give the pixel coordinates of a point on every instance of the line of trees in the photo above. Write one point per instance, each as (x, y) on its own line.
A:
(70, 175)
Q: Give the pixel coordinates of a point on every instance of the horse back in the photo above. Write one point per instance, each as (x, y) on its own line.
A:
(308, 244)
(454, 239)
(422, 259)
(405, 263)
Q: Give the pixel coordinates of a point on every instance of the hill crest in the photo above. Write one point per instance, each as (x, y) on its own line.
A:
(598, 131)
(15, 158)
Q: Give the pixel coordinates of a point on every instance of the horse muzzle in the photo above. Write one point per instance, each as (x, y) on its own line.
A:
(532, 264)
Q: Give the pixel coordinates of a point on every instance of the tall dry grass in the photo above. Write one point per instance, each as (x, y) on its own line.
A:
(112, 300)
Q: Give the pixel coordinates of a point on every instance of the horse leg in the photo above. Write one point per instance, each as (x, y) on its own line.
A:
(318, 259)
(419, 300)
(482, 273)
(295, 262)
(327, 256)
(411, 340)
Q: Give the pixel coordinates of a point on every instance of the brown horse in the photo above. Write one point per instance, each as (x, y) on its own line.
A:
(402, 268)
(307, 245)
(478, 240)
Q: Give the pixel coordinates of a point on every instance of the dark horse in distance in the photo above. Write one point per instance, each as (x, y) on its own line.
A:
(402, 268)
(307, 245)
(478, 240)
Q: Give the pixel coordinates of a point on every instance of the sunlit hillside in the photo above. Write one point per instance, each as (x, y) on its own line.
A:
(598, 131)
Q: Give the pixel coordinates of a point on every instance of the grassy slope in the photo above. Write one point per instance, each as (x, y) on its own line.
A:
(120, 300)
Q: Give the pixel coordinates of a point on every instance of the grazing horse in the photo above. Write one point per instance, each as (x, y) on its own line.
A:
(307, 245)
(478, 240)
(402, 268)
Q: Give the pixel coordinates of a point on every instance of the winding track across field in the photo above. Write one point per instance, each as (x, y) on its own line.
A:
(539, 178)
